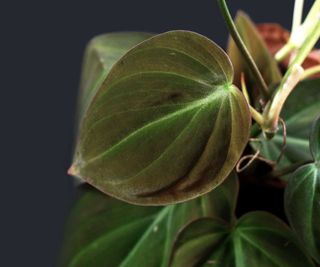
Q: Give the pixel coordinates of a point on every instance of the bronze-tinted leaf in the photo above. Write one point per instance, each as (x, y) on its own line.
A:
(101, 54)
(166, 125)
(259, 52)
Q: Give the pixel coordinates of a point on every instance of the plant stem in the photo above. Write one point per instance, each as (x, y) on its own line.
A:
(313, 15)
(311, 71)
(272, 113)
(297, 14)
(292, 77)
(308, 45)
(254, 113)
(288, 170)
(299, 33)
(244, 51)
(296, 23)
(284, 51)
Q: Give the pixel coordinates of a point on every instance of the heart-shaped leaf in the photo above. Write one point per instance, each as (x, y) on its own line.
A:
(302, 198)
(100, 55)
(259, 52)
(299, 112)
(302, 202)
(103, 231)
(258, 239)
(166, 125)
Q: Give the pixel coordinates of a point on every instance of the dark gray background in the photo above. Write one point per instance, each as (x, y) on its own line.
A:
(42, 43)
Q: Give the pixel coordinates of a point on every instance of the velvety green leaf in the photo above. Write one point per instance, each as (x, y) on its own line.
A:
(302, 203)
(166, 125)
(259, 51)
(103, 231)
(100, 55)
(300, 110)
(315, 140)
(223, 200)
(258, 239)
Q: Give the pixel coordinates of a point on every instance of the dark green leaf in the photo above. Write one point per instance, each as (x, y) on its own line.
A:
(100, 55)
(106, 232)
(223, 200)
(315, 140)
(302, 203)
(258, 240)
(166, 125)
(259, 51)
(300, 110)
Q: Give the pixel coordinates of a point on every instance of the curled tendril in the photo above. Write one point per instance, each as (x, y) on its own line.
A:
(252, 157)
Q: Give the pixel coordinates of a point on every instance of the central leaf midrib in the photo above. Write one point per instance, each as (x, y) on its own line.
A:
(158, 218)
(195, 105)
(89, 246)
(263, 251)
(310, 230)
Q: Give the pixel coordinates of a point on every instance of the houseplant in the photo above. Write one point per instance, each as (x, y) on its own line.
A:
(164, 127)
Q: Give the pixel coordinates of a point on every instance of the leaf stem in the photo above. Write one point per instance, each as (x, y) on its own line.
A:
(272, 113)
(300, 33)
(287, 170)
(311, 71)
(308, 45)
(254, 113)
(284, 51)
(293, 75)
(244, 51)
(297, 14)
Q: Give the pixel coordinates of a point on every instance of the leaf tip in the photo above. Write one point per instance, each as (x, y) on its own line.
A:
(72, 171)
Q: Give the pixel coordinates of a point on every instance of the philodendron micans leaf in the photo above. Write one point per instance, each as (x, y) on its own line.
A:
(300, 110)
(315, 140)
(302, 198)
(258, 50)
(166, 125)
(103, 231)
(100, 55)
(302, 203)
(257, 239)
